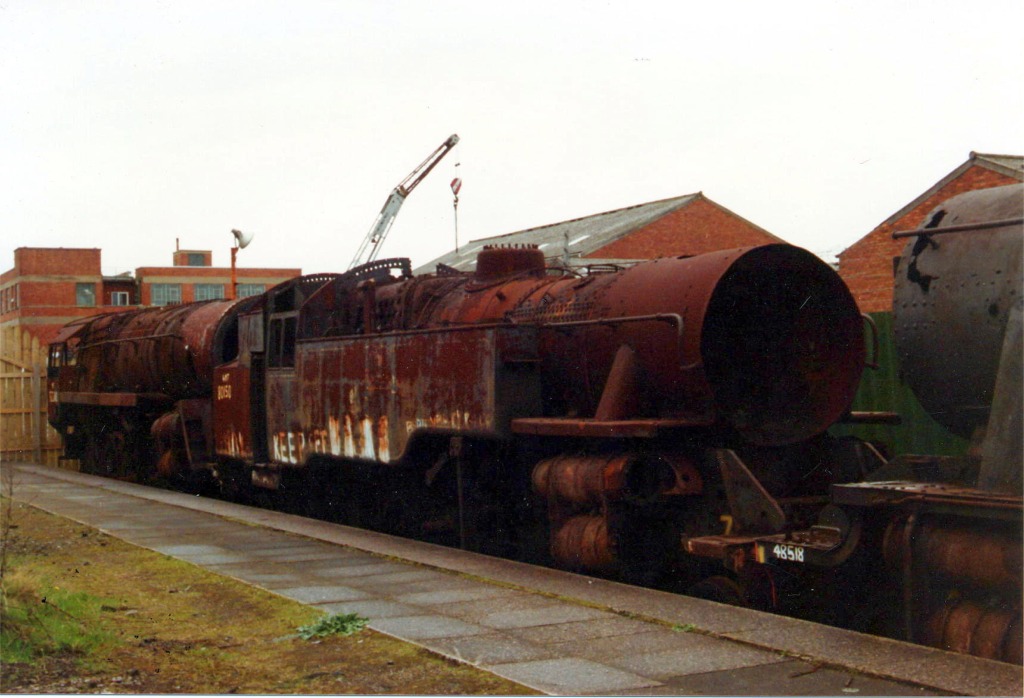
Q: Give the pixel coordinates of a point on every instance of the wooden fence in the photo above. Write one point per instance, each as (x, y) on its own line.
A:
(25, 434)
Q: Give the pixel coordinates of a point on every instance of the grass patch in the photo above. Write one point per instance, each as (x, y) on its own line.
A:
(178, 629)
(337, 624)
(42, 620)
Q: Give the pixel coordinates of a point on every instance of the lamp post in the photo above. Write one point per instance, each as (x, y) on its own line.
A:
(241, 240)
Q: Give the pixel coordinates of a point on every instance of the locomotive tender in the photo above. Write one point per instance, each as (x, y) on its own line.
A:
(664, 423)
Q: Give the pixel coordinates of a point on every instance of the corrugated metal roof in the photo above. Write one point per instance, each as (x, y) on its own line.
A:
(583, 235)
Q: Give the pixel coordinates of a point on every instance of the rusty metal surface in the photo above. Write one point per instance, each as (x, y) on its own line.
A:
(969, 627)
(937, 493)
(978, 554)
(232, 412)
(596, 480)
(631, 428)
(167, 351)
(769, 340)
(718, 547)
(365, 399)
(774, 354)
(952, 300)
(583, 542)
(107, 399)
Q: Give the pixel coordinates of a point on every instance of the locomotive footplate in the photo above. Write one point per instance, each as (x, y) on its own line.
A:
(935, 497)
(624, 428)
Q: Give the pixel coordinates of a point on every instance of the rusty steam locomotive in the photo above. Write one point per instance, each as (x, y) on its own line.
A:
(665, 423)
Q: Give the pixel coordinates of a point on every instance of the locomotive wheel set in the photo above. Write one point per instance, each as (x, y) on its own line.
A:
(664, 424)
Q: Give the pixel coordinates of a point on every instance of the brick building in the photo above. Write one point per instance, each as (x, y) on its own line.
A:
(867, 265)
(49, 287)
(685, 225)
(193, 278)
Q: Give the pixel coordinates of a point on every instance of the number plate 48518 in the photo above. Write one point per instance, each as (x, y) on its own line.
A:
(790, 553)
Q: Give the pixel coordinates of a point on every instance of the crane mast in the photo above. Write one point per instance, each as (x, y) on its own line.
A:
(382, 224)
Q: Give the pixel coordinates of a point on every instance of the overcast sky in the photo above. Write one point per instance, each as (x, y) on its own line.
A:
(128, 125)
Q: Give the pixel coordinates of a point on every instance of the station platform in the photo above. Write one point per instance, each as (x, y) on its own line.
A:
(556, 632)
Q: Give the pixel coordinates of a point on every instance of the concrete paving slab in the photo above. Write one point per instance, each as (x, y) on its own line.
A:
(164, 536)
(581, 630)
(962, 674)
(408, 574)
(601, 648)
(787, 678)
(322, 594)
(177, 550)
(571, 676)
(695, 655)
(372, 609)
(210, 559)
(547, 615)
(394, 589)
(261, 544)
(351, 572)
(272, 581)
(509, 600)
(297, 557)
(426, 626)
(474, 592)
(248, 568)
(492, 649)
(341, 566)
(255, 549)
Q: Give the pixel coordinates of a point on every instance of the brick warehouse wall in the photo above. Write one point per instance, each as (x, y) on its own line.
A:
(189, 276)
(866, 266)
(42, 287)
(700, 226)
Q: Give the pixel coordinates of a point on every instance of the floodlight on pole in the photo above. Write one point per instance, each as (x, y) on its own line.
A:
(242, 240)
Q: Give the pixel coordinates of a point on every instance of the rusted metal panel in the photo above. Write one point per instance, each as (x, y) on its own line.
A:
(976, 554)
(594, 428)
(768, 341)
(939, 495)
(97, 399)
(970, 627)
(366, 398)
(232, 418)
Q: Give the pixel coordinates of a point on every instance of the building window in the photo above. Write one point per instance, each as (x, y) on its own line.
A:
(119, 298)
(209, 292)
(246, 290)
(85, 295)
(165, 294)
(196, 259)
